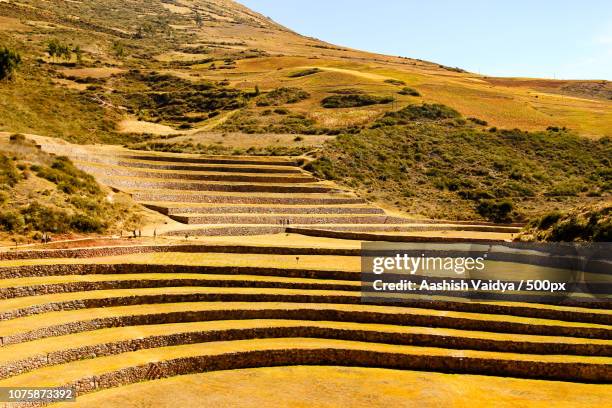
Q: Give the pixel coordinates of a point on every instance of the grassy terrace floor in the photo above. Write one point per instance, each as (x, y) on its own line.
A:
(346, 386)
(227, 313)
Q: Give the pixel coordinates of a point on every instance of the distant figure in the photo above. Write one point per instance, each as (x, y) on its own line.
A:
(154, 233)
(139, 233)
(134, 233)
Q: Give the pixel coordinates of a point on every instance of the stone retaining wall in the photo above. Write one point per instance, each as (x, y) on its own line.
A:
(300, 330)
(578, 372)
(460, 306)
(215, 168)
(211, 160)
(195, 249)
(400, 318)
(120, 171)
(288, 219)
(203, 186)
(263, 210)
(242, 199)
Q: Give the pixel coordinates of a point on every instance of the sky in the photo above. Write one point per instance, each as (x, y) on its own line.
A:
(562, 39)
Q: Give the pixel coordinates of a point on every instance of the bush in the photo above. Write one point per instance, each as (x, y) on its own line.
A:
(305, 72)
(281, 96)
(353, 101)
(478, 121)
(9, 174)
(84, 223)
(395, 82)
(322, 167)
(409, 91)
(43, 218)
(9, 61)
(495, 211)
(417, 113)
(12, 221)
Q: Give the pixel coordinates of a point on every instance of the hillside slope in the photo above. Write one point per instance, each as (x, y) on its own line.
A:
(222, 47)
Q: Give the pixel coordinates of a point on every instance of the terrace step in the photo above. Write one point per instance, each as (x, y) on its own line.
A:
(246, 160)
(239, 198)
(107, 170)
(287, 219)
(85, 311)
(261, 209)
(157, 165)
(26, 357)
(131, 367)
(142, 183)
(336, 230)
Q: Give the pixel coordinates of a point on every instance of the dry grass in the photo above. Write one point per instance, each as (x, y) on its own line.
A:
(140, 126)
(346, 386)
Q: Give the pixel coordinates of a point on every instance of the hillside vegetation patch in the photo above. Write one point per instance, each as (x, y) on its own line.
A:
(426, 159)
(354, 101)
(282, 96)
(41, 193)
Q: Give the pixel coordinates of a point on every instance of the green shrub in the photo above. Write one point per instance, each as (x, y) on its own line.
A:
(478, 121)
(322, 167)
(67, 177)
(418, 112)
(281, 96)
(395, 82)
(496, 211)
(305, 72)
(12, 221)
(43, 218)
(9, 61)
(353, 101)
(9, 174)
(409, 91)
(86, 224)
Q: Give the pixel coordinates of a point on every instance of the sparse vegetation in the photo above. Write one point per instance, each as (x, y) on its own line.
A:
(281, 96)
(353, 101)
(306, 72)
(200, 148)
(587, 223)
(9, 61)
(423, 160)
(395, 82)
(417, 112)
(41, 193)
(408, 91)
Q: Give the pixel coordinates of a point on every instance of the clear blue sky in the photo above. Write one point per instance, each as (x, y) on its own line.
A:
(540, 38)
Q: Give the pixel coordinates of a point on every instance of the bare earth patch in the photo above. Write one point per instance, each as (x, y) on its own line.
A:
(139, 126)
(92, 72)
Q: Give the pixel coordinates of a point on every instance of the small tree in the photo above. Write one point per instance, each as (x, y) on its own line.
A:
(79, 53)
(56, 49)
(9, 61)
(53, 48)
(118, 49)
(198, 19)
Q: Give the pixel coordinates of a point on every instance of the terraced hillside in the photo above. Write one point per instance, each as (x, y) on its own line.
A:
(104, 319)
(244, 195)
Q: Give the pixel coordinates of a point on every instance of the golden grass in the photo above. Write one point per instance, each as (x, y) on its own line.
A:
(330, 387)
